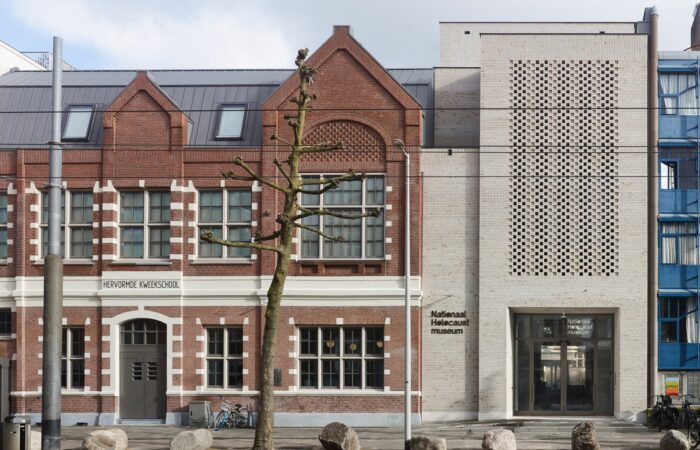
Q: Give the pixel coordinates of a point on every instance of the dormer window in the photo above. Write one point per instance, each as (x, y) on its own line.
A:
(77, 124)
(231, 121)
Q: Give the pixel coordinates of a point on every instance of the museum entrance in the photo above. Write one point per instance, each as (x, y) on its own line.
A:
(563, 365)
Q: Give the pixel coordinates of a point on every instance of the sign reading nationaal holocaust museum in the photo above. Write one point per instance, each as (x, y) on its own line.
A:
(140, 284)
(448, 322)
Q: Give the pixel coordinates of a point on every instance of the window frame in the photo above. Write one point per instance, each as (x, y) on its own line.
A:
(146, 225)
(225, 224)
(665, 178)
(5, 313)
(222, 110)
(225, 357)
(67, 224)
(676, 238)
(4, 226)
(70, 358)
(88, 131)
(675, 109)
(363, 207)
(341, 357)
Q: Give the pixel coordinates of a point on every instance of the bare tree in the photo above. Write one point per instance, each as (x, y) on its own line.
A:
(288, 222)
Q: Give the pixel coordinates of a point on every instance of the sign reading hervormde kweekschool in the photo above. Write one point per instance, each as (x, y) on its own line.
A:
(140, 284)
(448, 322)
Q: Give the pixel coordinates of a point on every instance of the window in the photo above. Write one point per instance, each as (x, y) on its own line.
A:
(78, 121)
(232, 222)
(679, 243)
(677, 92)
(4, 219)
(362, 238)
(225, 357)
(145, 224)
(78, 233)
(73, 358)
(341, 357)
(143, 332)
(678, 317)
(231, 122)
(668, 175)
(5, 322)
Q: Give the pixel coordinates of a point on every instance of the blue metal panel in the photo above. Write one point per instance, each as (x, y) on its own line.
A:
(678, 356)
(678, 201)
(675, 276)
(678, 127)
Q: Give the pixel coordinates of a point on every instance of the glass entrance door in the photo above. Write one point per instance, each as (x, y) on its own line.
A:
(563, 365)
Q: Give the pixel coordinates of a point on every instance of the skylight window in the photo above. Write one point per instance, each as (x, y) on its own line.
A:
(78, 120)
(231, 120)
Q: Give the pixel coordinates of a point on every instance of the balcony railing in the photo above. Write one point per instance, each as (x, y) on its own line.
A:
(45, 59)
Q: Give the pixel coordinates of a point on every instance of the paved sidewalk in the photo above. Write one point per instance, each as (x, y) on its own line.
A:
(459, 435)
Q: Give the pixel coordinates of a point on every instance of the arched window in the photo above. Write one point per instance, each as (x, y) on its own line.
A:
(143, 332)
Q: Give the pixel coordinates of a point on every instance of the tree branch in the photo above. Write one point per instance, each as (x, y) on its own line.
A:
(281, 169)
(260, 238)
(319, 232)
(320, 148)
(306, 212)
(274, 137)
(350, 176)
(238, 161)
(208, 236)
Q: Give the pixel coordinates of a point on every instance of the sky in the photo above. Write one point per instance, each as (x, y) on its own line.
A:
(210, 34)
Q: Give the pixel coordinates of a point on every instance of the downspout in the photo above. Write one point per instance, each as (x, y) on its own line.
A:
(653, 203)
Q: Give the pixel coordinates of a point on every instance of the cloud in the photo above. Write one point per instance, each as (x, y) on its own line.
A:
(138, 34)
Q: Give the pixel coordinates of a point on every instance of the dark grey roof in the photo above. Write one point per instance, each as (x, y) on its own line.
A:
(199, 93)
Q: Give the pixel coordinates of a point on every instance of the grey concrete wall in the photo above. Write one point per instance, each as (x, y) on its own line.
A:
(456, 107)
(450, 274)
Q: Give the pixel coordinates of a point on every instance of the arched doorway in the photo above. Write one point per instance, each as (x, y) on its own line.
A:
(142, 369)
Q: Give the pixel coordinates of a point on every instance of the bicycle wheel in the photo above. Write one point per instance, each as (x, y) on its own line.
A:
(241, 418)
(220, 420)
(653, 418)
(694, 434)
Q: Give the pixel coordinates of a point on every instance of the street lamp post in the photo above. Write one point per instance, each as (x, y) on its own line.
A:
(398, 143)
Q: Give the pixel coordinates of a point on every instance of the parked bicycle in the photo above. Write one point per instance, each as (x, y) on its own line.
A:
(231, 415)
(663, 415)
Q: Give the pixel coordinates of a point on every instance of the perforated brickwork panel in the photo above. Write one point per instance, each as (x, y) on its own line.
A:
(362, 142)
(564, 188)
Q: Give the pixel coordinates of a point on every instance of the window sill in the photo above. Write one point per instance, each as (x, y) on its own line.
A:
(141, 262)
(341, 261)
(70, 262)
(202, 261)
(7, 337)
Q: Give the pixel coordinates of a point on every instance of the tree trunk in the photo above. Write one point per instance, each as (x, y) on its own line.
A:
(263, 429)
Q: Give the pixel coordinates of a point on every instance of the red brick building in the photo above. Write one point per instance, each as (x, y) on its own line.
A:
(153, 317)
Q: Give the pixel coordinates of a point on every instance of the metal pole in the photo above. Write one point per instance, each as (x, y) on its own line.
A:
(53, 275)
(407, 297)
(652, 207)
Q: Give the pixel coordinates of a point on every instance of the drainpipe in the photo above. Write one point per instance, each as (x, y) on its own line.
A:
(653, 202)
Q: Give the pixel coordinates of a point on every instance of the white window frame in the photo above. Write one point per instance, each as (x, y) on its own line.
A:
(363, 207)
(341, 357)
(224, 224)
(4, 228)
(66, 224)
(225, 357)
(73, 109)
(222, 111)
(70, 357)
(146, 225)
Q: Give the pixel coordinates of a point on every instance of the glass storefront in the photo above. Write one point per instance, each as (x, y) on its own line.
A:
(563, 365)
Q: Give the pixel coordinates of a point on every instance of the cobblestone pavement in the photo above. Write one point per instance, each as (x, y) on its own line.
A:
(459, 435)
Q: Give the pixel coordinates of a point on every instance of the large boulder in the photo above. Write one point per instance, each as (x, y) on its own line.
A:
(674, 440)
(338, 436)
(200, 439)
(499, 439)
(425, 443)
(110, 439)
(583, 437)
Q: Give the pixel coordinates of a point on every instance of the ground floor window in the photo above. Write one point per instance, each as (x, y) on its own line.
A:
(73, 358)
(678, 319)
(563, 364)
(341, 357)
(225, 357)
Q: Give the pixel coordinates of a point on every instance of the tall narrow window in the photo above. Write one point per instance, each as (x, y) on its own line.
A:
(73, 358)
(78, 121)
(45, 224)
(227, 215)
(679, 243)
(225, 357)
(362, 237)
(668, 175)
(145, 225)
(4, 219)
(5, 322)
(231, 122)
